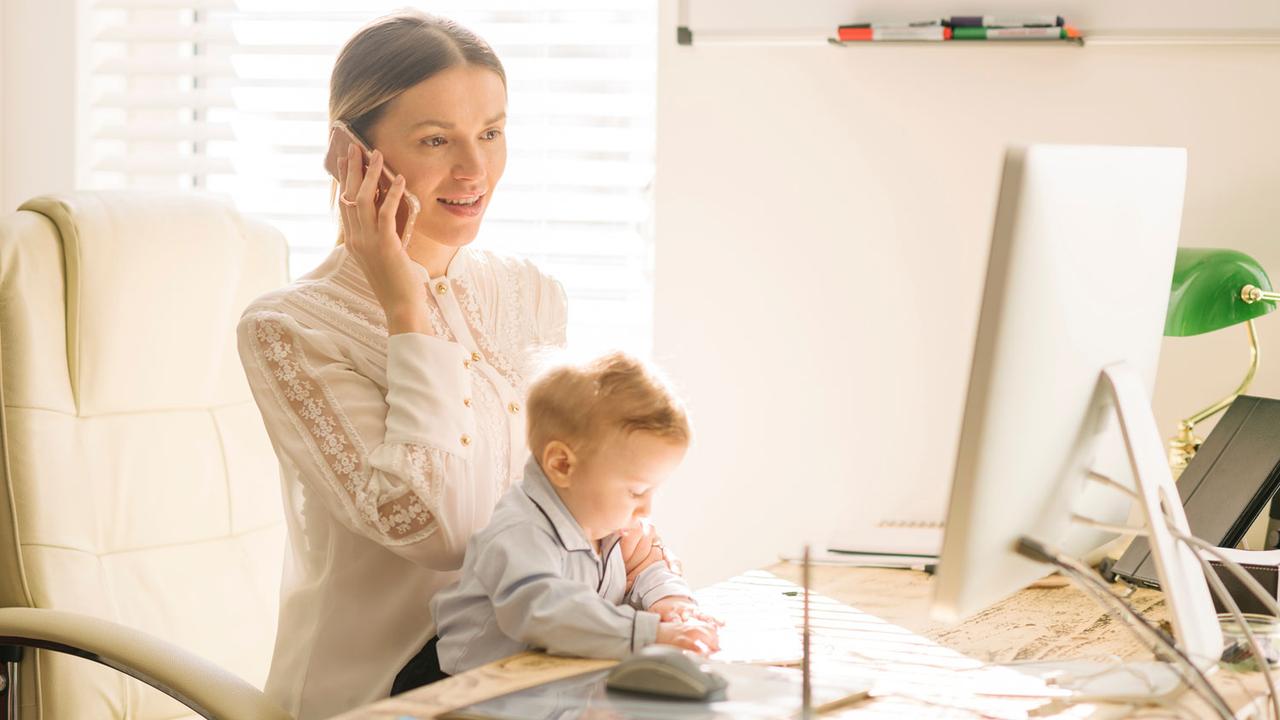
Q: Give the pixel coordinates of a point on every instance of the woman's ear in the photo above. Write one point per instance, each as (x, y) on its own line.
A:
(558, 462)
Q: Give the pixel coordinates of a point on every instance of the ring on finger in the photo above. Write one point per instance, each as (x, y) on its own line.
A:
(343, 199)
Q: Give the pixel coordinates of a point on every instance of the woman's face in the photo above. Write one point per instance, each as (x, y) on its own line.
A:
(446, 135)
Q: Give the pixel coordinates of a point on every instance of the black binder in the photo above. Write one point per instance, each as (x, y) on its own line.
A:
(1225, 486)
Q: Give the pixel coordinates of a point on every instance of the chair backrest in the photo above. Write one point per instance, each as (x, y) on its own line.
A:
(137, 483)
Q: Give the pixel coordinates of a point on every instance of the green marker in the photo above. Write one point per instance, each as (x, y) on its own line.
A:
(1021, 33)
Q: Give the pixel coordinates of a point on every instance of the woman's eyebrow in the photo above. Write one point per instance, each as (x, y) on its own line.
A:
(449, 126)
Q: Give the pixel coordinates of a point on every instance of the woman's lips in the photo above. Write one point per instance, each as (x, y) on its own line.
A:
(471, 210)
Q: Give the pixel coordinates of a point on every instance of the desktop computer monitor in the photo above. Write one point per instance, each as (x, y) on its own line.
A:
(1078, 280)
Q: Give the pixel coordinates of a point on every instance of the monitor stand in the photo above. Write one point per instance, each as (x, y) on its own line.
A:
(1195, 622)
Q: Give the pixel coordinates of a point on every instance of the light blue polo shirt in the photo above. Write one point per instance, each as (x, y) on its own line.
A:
(531, 579)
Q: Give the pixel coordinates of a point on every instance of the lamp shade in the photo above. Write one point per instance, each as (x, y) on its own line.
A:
(1205, 295)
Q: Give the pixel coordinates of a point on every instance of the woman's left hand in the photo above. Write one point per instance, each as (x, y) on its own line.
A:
(642, 547)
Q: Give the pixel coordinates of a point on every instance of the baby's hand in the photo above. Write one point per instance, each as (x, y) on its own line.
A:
(694, 635)
(677, 608)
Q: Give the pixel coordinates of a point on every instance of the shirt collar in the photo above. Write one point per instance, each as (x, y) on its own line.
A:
(457, 267)
(538, 488)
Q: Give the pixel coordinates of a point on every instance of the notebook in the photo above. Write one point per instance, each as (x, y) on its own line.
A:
(1226, 484)
(911, 537)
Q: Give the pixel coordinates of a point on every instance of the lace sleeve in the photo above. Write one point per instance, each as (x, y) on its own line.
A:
(381, 466)
(552, 311)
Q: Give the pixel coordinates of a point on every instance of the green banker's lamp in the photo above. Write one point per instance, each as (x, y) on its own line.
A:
(1213, 289)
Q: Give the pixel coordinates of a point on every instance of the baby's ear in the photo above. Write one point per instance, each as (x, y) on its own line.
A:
(558, 462)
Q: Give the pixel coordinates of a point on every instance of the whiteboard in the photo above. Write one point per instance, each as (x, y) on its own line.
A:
(770, 16)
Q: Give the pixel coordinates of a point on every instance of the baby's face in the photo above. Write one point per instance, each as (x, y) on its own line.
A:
(613, 485)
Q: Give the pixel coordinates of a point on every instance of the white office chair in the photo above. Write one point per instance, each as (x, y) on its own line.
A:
(140, 518)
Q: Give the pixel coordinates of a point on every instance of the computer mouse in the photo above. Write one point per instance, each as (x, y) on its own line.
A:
(669, 672)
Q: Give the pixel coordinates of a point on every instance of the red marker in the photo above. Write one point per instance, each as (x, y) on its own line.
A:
(904, 32)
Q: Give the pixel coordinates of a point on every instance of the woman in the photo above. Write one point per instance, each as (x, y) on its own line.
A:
(391, 380)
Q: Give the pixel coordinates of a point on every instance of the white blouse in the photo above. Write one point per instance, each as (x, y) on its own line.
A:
(393, 451)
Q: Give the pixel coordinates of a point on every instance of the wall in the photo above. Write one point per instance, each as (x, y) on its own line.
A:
(822, 222)
(38, 102)
(760, 16)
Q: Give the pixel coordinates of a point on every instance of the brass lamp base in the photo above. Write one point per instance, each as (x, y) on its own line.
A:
(1183, 446)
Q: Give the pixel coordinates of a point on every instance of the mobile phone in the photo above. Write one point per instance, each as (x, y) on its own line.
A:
(341, 138)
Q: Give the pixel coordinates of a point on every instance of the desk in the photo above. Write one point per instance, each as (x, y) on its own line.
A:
(1035, 623)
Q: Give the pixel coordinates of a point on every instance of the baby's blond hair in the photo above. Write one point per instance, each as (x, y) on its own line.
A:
(580, 403)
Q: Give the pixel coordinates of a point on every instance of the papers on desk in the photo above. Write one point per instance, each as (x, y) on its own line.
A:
(910, 675)
(905, 674)
(907, 544)
(922, 538)
(759, 628)
(924, 563)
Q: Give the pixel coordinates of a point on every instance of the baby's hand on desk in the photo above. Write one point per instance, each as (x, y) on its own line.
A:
(694, 635)
(677, 608)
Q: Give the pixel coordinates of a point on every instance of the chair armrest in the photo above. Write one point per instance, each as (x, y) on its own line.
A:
(205, 688)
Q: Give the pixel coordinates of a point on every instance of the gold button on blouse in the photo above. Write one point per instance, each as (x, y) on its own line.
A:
(465, 440)
(442, 288)
(514, 408)
(475, 357)
(466, 363)
(466, 401)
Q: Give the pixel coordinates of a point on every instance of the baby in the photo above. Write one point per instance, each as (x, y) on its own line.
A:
(548, 571)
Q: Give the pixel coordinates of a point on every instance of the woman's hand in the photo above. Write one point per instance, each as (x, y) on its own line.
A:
(369, 232)
(642, 547)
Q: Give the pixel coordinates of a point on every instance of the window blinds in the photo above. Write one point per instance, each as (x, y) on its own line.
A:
(231, 97)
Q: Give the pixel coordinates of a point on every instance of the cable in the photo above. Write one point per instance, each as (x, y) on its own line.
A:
(1187, 669)
(1241, 574)
(1220, 589)
(1260, 658)
(1110, 663)
(1182, 664)
(1109, 527)
(1101, 479)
